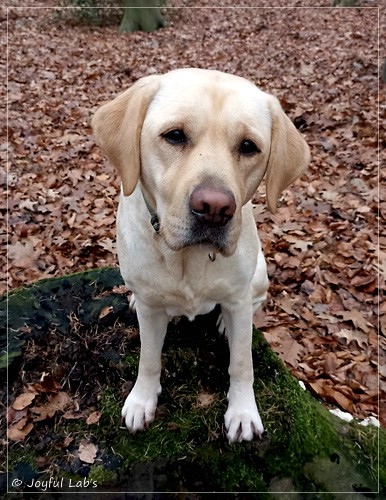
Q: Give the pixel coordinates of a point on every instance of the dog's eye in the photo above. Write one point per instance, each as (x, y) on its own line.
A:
(248, 148)
(175, 136)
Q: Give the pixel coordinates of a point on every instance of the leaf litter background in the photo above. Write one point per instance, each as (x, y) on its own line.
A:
(326, 261)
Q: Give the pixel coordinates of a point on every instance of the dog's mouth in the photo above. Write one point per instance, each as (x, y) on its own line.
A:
(216, 238)
(213, 239)
(208, 245)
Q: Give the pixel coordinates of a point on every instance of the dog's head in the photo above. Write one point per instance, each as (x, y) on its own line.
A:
(199, 142)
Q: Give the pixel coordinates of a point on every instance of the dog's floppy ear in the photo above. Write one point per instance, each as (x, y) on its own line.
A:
(117, 128)
(289, 155)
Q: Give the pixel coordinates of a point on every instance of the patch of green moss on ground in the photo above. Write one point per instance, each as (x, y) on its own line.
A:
(173, 434)
(236, 467)
(101, 476)
(185, 448)
(51, 302)
(302, 432)
(296, 429)
(110, 405)
(297, 425)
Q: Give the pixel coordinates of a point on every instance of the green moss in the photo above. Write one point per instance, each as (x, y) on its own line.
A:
(26, 455)
(185, 448)
(50, 303)
(101, 476)
(229, 467)
(298, 427)
(371, 441)
(110, 404)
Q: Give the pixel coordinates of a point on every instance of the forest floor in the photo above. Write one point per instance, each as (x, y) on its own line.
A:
(326, 255)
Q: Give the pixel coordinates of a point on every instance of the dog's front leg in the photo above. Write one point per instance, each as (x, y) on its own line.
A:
(242, 419)
(140, 405)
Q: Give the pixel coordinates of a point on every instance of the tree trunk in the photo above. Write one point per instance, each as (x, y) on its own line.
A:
(141, 15)
(77, 330)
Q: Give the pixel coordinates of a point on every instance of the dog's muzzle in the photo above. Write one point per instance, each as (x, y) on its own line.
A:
(212, 207)
(211, 211)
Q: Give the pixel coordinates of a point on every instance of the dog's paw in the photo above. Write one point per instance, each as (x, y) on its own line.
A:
(138, 412)
(243, 423)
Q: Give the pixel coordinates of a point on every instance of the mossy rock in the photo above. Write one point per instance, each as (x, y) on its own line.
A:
(79, 330)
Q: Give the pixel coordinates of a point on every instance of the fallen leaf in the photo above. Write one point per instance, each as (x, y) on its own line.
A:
(105, 311)
(22, 254)
(341, 400)
(56, 402)
(14, 416)
(69, 138)
(47, 383)
(19, 431)
(361, 281)
(107, 244)
(283, 344)
(23, 401)
(306, 69)
(120, 290)
(42, 413)
(353, 336)
(356, 317)
(290, 351)
(103, 177)
(331, 362)
(298, 243)
(60, 400)
(323, 389)
(286, 303)
(204, 399)
(93, 418)
(73, 415)
(67, 441)
(87, 452)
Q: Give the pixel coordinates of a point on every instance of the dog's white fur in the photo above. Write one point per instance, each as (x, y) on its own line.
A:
(169, 270)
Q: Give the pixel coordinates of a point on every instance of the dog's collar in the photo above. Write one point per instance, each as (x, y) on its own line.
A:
(154, 220)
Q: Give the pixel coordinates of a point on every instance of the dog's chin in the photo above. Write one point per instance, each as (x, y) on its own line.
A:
(207, 247)
(219, 245)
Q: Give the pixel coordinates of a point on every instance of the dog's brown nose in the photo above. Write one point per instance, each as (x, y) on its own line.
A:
(211, 206)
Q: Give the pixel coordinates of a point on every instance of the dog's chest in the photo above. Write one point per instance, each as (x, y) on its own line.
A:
(188, 289)
(186, 301)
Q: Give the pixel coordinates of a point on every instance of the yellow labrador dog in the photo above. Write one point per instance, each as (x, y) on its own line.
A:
(191, 147)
